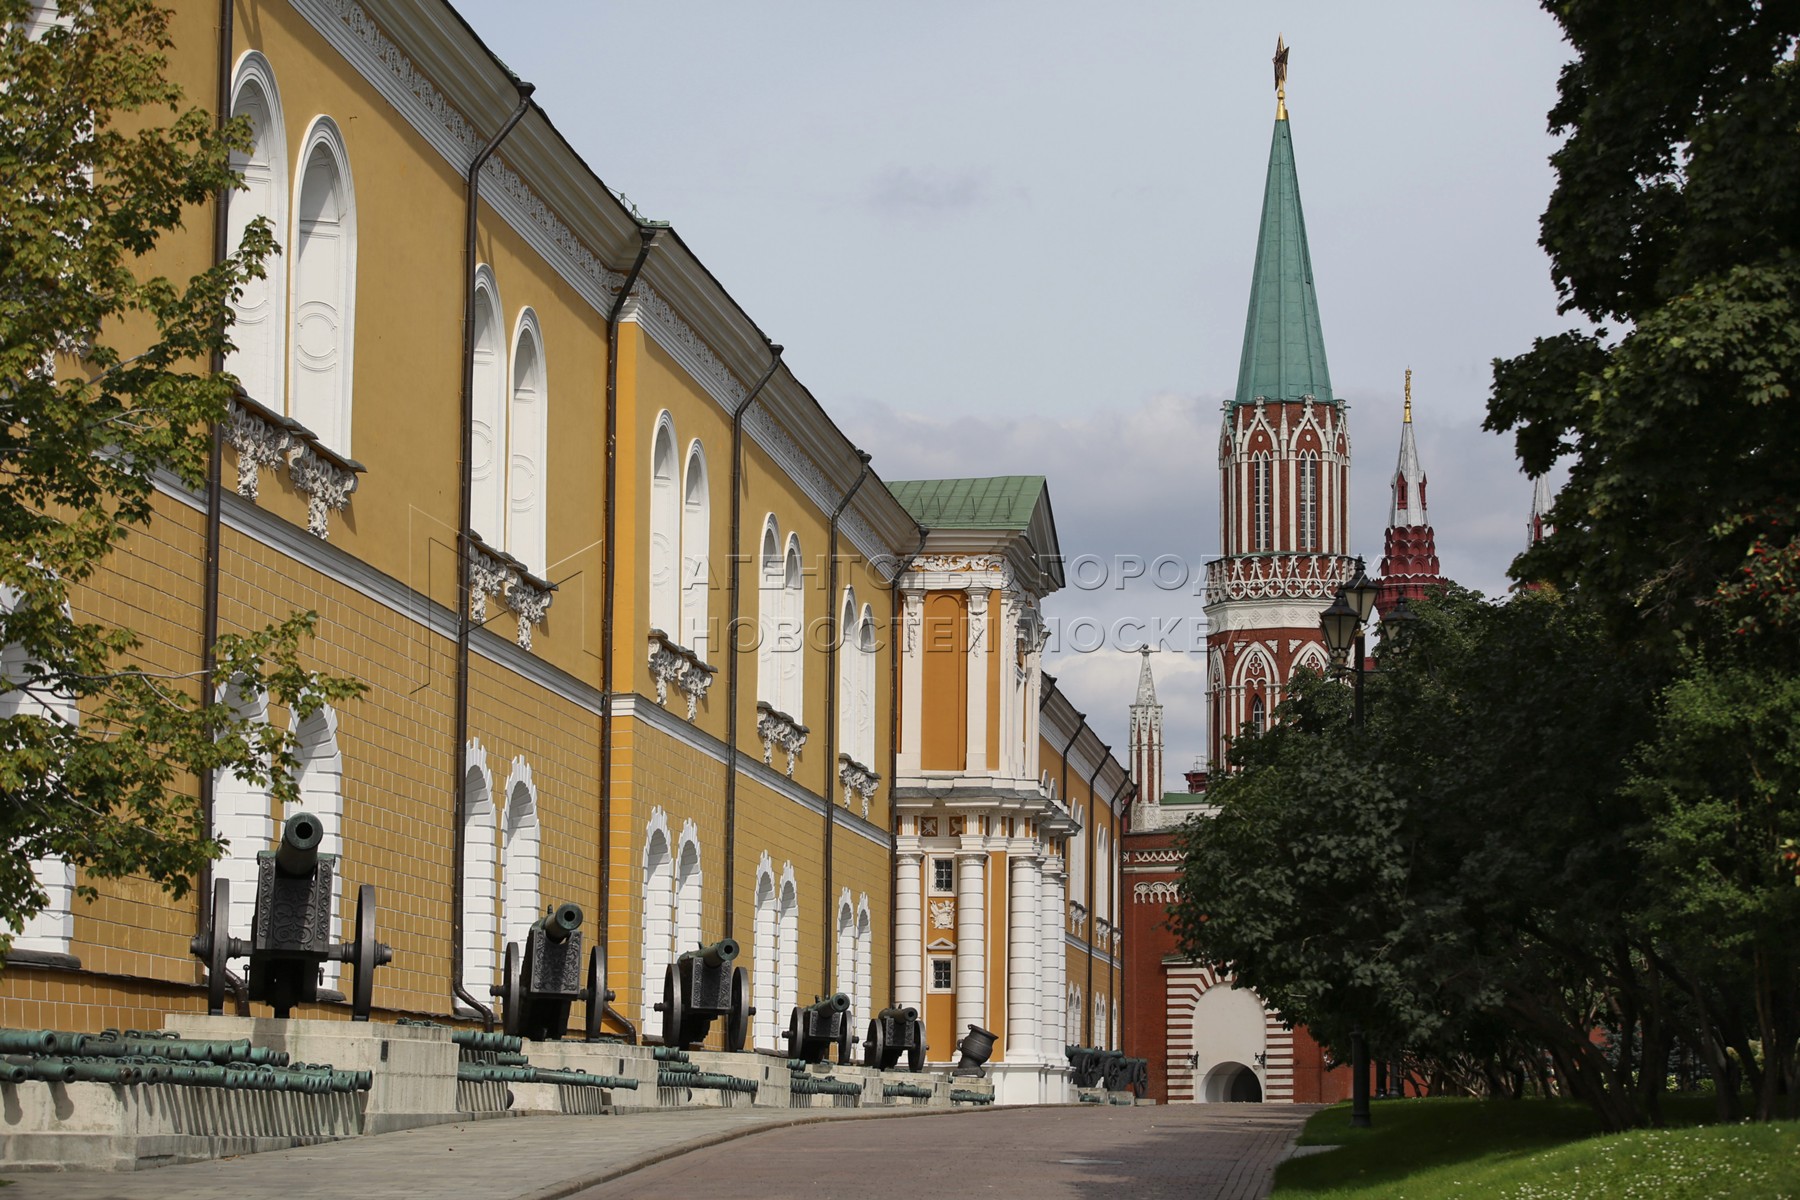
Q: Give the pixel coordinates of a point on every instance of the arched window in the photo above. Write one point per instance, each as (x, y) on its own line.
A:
(688, 934)
(1078, 859)
(1074, 1016)
(765, 967)
(791, 640)
(259, 326)
(846, 947)
(665, 532)
(487, 508)
(1257, 713)
(659, 913)
(1102, 877)
(787, 988)
(865, 691)
(520, 863)
(323, 249)
(51, 930)
(321, 785)
(849, 671)
(242, 817)
(1100, 1040)
(527, 422)
(696, 557)
(864, 995)
(1309, 502)
(481, 882)
(768, 615)
(1260, 501)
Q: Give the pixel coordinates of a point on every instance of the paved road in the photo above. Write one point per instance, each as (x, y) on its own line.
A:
(1226, 1151)
(1195, 1152)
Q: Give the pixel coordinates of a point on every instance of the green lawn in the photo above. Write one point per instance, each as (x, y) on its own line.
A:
(1535, 1150)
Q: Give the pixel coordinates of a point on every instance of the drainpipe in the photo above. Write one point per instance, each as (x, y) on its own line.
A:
(896, 634)
(1114, 881)
(464, 557)
(646, 240)
(1087, 1016)
(215, 500)
(832, 648)
(732, 649)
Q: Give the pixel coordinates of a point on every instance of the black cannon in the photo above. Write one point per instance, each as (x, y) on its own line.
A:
(1115, 1070)
(290, 938)
(700, 985)
(812, 1029)
(1085, 1065)
(893, 1032)
(539, 986)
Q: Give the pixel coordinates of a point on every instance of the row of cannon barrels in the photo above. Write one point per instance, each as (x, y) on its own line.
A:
(524, 1072)
(308, 1078)
(135, 1043)
(680, 1073)
(1093, 1067)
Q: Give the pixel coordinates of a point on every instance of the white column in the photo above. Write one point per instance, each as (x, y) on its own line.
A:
(912, 679)
(979, 633)
(971, 938)
(1024, 970)
(1050, 942)
(909, 926)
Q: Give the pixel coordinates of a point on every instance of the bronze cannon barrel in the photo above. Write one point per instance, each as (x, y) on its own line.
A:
(908, 1013)
(559, 921)
(298, 854)
(837, 1002)
(719, 954)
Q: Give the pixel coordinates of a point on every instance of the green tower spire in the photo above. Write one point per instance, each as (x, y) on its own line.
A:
(1284, 347)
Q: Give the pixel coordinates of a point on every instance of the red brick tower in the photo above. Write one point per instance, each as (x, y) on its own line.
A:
(1409, 561)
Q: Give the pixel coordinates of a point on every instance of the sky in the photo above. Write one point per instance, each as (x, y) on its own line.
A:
(1016, 238)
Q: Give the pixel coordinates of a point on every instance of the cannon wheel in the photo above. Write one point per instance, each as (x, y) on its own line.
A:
(845, 1042)
(218, 949)
(674, 1008)
(512, 993)
(363, 954)
(875, 1048)
(596, 994)
(796, 1038)
(915, 1053)
(737, 1021)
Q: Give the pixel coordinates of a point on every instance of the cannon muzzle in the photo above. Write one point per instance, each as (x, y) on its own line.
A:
(559, 921)
(719, 954)
(298, 854)
(908, 1013)
(837, 1002)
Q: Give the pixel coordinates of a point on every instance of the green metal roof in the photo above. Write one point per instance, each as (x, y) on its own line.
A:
(996, 502)
(1284, 348)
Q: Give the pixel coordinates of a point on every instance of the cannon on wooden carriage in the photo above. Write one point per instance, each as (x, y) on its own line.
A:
(540, 985)
(893, 1032)
(1115, 1070)
(701, 985)
(1085, 1065)
(290, 935)
(813, 1030)
(1137, 1076)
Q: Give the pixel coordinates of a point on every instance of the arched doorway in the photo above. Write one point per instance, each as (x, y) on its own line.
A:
(1231, 1083)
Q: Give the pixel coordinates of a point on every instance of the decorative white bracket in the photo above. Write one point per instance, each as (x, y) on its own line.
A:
(264, 438)
(673, 663)
(858, 780)
(776, 728)
(494, 572)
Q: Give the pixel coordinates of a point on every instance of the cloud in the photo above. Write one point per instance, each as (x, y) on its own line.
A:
(926, 192)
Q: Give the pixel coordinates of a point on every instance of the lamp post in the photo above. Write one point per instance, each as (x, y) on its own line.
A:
(1343, 625)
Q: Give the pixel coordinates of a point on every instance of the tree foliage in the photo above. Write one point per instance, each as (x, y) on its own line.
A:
(105, 388)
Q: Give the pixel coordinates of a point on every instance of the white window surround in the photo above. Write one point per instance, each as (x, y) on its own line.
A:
(51, 930)
(320, 782)
(488, 457)
(260, 330)
(527, 433)
(243, 817)
(943, 974)
(764, 965)
(665, 530)
(520, 856)
(769, 574)
(696, 552)
(322, 288)
(689, 932)
(846, 946)
(864, 994)
(658, 913)
(481, 874)
(787, 988)
(790, 646)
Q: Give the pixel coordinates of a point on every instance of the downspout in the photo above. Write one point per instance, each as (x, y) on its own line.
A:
(215, 500)
(646, 240)
(896, 635)
(732, 649)
(1087, 1017)
(831, 705)
(1114, 978)
(465, 556)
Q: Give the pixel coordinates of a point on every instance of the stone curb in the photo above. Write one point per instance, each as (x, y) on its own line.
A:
(568, 1187)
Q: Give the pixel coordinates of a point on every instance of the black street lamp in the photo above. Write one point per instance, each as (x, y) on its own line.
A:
(1344, 624)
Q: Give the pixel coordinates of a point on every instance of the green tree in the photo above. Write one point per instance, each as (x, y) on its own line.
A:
(104, 386)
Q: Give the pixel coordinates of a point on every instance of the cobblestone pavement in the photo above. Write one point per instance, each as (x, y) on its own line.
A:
(1196, 1152)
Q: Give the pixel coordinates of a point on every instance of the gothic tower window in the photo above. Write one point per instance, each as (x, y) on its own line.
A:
(1260, 502)
(1309, 502)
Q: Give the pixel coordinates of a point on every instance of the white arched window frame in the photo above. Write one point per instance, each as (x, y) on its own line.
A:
(259, 328)
(1078, 857)
(688, 934)
(849, 675)
(487, 466)
(520, 856)
(1261, 500)
(1309, 501)
(696, 555)
(787, 988)
(243, 815)
(846, 945)
(320, 782)
(527, 427)
(1100, 1041)
(1074, 1016)
(322, 288)
(665, 530)
(864, 995)
(865, 690)
(791, 643)
(1102, 873)
(51, 930)
(768, 613)
(765, 967)
(659, 913)
(481, 874)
